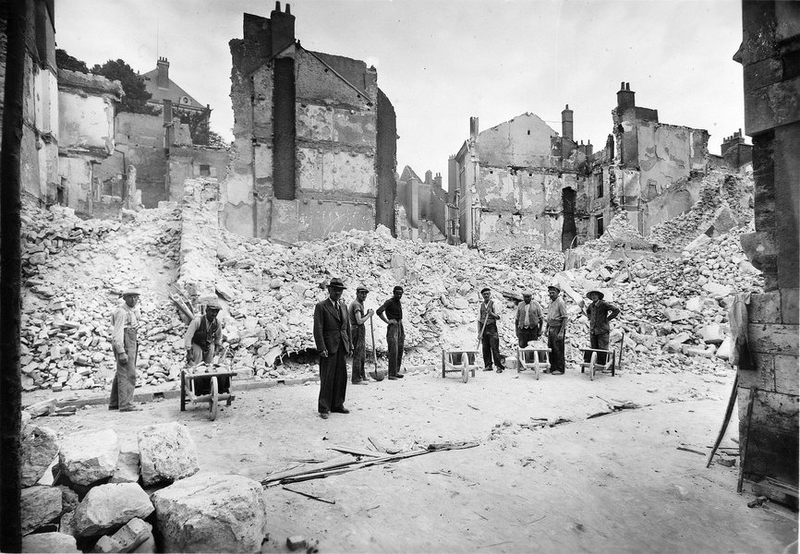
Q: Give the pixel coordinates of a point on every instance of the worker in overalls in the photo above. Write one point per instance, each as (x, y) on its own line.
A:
(204, 335)
(125, 322)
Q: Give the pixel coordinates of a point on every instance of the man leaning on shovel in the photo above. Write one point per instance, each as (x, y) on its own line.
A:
(359, 335)
(488, 334)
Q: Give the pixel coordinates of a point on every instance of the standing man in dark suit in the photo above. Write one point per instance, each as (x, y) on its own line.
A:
(332, 338)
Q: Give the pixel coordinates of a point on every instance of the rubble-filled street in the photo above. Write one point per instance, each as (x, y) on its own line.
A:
(559, 464)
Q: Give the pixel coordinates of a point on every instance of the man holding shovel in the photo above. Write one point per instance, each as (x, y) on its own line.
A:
(359, 334)
(487, 332)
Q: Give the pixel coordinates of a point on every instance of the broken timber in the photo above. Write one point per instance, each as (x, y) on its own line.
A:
(338, 465)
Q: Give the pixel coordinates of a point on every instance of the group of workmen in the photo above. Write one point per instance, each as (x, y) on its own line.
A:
(202, 340)
(340, 330)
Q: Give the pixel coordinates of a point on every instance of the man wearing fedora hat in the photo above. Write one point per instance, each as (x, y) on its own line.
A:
(359, 335)
(556, 329)
(124, 342)
(599, 312)
(332, 338)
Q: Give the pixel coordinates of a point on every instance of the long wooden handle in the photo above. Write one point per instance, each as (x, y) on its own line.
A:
(372, 337)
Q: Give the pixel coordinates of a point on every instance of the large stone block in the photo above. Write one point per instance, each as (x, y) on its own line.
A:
(166, 453)
(773, 339)
(786, 374)
(38, 450)
(107, 507)
(49, 542)
(765, 308)
(128, 539)
(89, 456)
(211, 513)
(39, 505)
(790, 310)
(127, 470)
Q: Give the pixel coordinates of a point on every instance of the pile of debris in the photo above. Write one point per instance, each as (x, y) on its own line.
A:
(726, 202)
(674, 307)
(81, 493)
(74, 272)
(674, 304)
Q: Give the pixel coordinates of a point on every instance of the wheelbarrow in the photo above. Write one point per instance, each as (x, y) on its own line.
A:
(595, 359)
(207, 383)
(535, 358)
(459, 361)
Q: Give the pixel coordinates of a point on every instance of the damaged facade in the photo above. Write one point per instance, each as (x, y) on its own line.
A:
(40, 133)
(77, 151)
(521, 182)
(517, 183)
(86, 108)
(768, 384)
(314, 139)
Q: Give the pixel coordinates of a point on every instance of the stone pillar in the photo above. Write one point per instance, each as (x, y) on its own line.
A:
(772, 119)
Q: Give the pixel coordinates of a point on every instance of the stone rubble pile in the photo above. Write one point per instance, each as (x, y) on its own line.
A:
(272, 289)
(674, 307)
(74, 271)
(726, 202)
(85, 495)
(674, 304)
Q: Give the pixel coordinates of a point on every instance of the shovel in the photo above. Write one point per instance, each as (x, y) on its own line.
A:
(377, 375)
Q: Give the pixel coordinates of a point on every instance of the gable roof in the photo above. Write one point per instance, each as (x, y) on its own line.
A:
(173, 92)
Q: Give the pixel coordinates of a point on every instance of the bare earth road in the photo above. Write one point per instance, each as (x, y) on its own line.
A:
(609, 484)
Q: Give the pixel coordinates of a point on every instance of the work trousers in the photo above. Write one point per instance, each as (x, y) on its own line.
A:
(491, 347)
(600, 342)
(124, 383)
(199, 355)
(359, 353)
(395, 338)
(332, 381)
(556, 346)
(526, 335)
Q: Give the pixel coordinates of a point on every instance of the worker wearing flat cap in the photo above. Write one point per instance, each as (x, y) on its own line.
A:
(124, 342)
(203, 338)
(333, 341)
(556, 329)
(391, 313)
(488, 334)
(528, 319)
(599, 312)
(359, 335)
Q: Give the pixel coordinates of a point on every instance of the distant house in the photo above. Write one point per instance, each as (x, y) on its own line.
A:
(184, 106)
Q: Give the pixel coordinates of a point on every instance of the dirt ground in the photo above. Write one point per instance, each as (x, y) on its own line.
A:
(615, 483)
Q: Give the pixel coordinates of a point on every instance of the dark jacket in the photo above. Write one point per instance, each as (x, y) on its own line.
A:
(598, 315)
(331, 329)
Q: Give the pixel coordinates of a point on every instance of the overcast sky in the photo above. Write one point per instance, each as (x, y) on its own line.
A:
(442, 61)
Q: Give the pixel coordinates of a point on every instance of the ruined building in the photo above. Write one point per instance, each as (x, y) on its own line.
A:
(768, 379)
(40, 133)
(86, 110)
(521, 182)
(517, 183)
(314, 139)
(165, 92)
(162, 147)
(77, 151)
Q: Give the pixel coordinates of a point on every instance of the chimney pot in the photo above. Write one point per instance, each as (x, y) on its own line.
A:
(277, 6)
(288, 9)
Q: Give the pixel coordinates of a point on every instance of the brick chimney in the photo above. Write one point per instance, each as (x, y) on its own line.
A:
(625, 97)
(473, 128)
(163, 73)
(566, 123)
(282, 28)
(736, 138)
